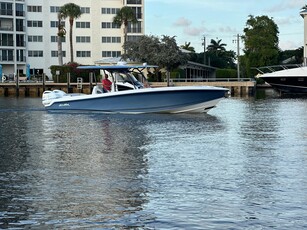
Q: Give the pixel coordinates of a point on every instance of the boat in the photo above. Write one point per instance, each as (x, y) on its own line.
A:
(129, 95)
(286, 80)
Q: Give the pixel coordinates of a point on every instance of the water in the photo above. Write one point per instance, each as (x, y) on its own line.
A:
(241, 166)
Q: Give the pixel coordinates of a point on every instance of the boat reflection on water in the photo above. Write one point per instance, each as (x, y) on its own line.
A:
(82, 179)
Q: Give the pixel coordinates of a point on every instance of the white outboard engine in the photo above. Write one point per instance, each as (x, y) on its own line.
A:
(48, 96)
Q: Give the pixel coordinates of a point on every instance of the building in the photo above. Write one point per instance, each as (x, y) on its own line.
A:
(28, 33)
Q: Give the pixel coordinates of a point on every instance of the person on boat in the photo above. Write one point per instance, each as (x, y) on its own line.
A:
(106, 83)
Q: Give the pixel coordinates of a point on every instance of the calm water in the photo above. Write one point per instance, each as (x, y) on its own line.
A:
(241, 166)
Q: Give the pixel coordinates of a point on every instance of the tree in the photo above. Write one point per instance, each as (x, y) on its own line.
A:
(187, 46)
(71, 11)
(163, 52)
(261, 42)
(216, 46)
(123, 17)
(60, 35)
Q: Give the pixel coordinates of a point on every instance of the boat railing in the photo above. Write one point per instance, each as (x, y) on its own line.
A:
(209, 79)
(273, 68)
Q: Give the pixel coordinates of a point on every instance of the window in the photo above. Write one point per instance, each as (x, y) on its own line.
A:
(35, 38)
(6, 40)
(137, 12)
(83, 53)
(19, 25)
(83, 25)
(108, 25)
(135, 28)
(54, 24)
(85, 10)
(6, 55)
(6, 8)
(55, 39)
(20, 40)
(109, 10)
(35, 23)
(54, 9)
(19, 10)
(111, 39)
(34, 8)
(111, 53)
(35, 53)
(132, 2)
(83, 39)
(20, 55)
(133, 38)
(54, 53)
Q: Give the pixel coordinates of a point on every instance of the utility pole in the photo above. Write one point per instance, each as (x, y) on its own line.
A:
(238, 55)
(204, 44)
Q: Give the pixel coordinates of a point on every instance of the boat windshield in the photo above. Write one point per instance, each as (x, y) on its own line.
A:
(128, 78)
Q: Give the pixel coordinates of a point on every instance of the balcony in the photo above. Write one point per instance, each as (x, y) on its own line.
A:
(6, 24)
(6, 43)
(6, 58)
(20, 13)
(6, 12)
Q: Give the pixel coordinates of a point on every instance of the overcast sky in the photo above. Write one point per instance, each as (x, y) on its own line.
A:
(192, 20)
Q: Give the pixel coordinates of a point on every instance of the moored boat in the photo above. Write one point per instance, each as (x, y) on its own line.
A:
(128, 95)
(287, 80)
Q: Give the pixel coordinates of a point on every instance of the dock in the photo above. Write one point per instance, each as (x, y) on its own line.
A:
(35, 89)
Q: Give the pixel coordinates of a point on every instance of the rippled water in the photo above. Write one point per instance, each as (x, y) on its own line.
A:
(241, 166)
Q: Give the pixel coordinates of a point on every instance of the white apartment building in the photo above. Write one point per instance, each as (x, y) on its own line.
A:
(28, 33)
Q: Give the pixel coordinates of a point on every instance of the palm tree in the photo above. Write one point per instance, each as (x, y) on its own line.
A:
(123, 17)
(61, 34)
(187, 46)
(216, 46)
(71, 11)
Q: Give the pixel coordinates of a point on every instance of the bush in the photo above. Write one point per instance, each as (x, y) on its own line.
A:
(226, 73)
(74, 73)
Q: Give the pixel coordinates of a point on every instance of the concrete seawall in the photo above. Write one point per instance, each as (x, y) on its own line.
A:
(25, 89)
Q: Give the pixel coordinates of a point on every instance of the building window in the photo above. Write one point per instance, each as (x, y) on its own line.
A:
(20, 40)
(134, 28)
(85, 10)
(20, 25)
(35, 53)
(111, 39)
(35, 38)
(20, 55)
(19, 10)
(83, 25)
(134, 2)
(55, 39)
(109, 10)
(34, 8)
(54, 24)
(108, 25)
(54, 9)
(83, 39)
(137, 12)
(54, 53)
(6, 40)
(6, 8)
(6, 55)
(83, 53)
(133, 38)
(35, 23)
(111, 53)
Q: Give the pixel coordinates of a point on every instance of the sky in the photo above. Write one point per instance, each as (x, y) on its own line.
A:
(193, 20)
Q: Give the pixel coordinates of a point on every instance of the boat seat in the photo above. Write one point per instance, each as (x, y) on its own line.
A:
(98, 90)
